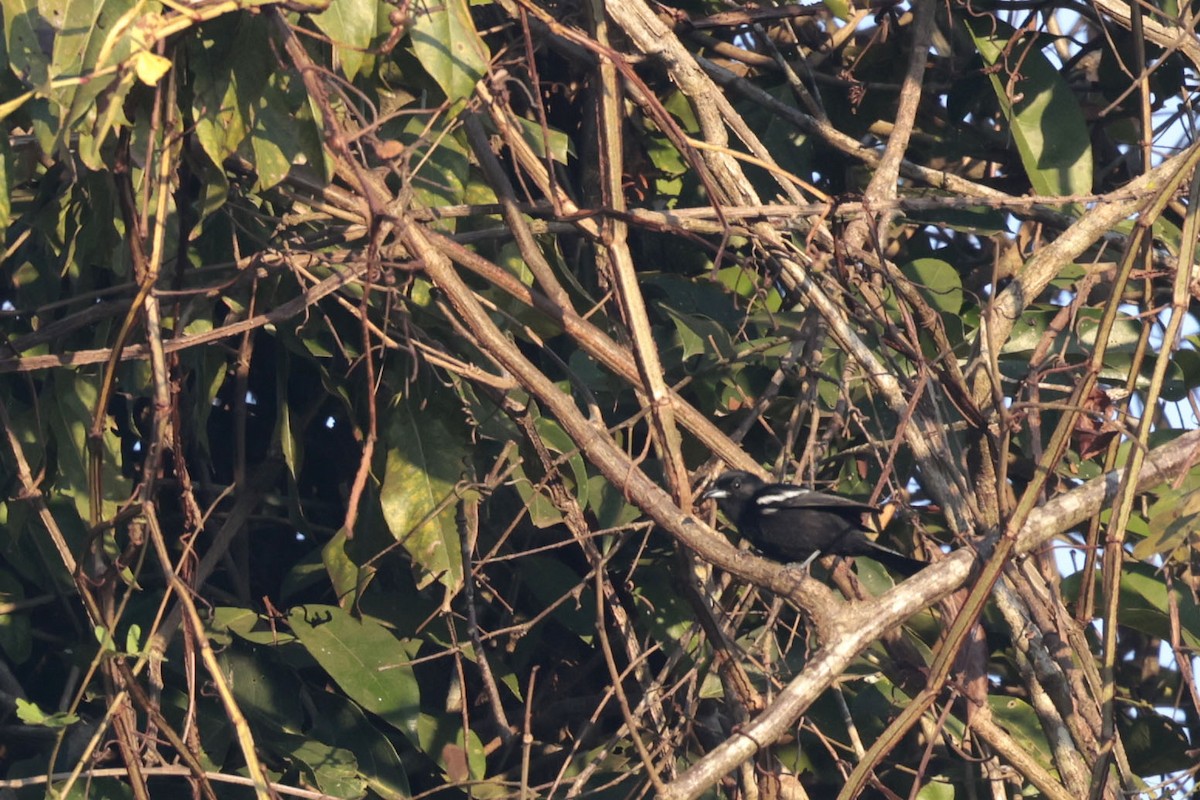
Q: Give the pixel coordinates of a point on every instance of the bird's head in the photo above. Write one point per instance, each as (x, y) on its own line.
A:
(731, 490)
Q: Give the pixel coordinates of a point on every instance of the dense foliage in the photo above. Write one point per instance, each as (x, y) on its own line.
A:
(362, 364)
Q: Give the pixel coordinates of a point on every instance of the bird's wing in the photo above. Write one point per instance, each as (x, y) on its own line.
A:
(783, 495)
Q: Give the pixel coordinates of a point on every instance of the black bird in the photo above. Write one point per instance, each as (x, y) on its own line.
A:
(789, 523)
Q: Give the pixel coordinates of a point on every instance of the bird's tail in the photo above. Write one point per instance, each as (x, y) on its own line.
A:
(896, 561)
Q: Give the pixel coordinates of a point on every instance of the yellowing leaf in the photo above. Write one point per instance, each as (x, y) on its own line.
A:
(446, 43)
(150, 67)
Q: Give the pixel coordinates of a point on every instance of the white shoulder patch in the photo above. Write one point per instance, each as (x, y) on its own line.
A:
(780, 496)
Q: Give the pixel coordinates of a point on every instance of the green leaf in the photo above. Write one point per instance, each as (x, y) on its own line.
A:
(334, 769)
(979, 220)
(248, 625)
(440, 162)
(939, 282)
(306, 573)
(109, 114)
(133, 640)
(1043, 113)
(31, 714)
(1028, 331)
(476, 755)
(343, 572)
(369, 664)
(351, 25)
(550, 581)
(840, 8)
(937, 790)
(95, 28)
(559, 441)
(446, 43)
(542, 510)
(229, 68)
(341, 723)
(664, 155)
(276, 136)
(1155, 744)
(1021, 722)
(608, 503)
(5, 186)
(1173, 522)
(424, 464)
(291, 444)
(1145, 606)
(75, 395)
(24, 31)
(539, 138)
(666, 614)
(746, 284)
(1183, 374)
(265, 689)
(696, 334)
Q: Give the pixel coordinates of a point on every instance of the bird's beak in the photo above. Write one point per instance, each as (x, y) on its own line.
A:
(714, 494)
